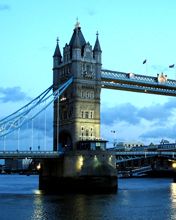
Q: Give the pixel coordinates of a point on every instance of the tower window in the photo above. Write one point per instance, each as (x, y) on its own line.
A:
(87, 132)
(91, 114)
(87, 94)
(82, 114)
(92, 95)
(88, 68)
(86, 114)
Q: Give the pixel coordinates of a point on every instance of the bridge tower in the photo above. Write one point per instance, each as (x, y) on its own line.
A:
(88, 167)
(79, 106)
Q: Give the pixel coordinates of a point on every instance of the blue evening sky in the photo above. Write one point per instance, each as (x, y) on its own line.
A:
(129, 32)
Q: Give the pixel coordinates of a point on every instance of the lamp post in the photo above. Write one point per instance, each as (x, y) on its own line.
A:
(114, 132)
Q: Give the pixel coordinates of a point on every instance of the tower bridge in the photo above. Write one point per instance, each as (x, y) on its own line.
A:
(78, 78)
(79, 106)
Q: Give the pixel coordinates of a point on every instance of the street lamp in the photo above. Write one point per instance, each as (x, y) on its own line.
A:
(114, 132)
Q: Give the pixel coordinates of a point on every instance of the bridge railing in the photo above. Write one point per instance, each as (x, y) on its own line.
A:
(132, 153)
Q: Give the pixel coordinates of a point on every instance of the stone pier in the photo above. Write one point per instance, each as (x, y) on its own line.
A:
(80, 171)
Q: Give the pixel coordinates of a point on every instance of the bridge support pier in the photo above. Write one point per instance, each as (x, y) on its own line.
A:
(79, 171)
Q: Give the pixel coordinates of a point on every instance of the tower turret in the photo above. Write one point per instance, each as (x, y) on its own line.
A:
(97, 50)
(57, 58)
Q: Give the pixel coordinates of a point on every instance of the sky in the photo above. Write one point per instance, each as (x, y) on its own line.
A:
(129, 33)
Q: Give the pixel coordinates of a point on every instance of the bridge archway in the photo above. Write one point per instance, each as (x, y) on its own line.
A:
(65, 140)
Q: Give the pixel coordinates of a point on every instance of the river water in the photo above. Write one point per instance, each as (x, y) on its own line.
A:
(153, 199)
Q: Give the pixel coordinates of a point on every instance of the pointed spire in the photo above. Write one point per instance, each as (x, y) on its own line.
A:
(77, 34)
(76, 41)
(57, 52)
(97, 44)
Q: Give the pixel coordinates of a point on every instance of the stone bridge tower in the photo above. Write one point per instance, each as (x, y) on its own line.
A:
(79, 106)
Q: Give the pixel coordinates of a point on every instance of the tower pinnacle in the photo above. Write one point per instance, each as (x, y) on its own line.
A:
(97, 44)
(77, 25)
(57, 52)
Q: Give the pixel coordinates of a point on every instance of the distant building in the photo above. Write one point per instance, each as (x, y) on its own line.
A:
(16, 164)
(163, 141)
(126, 145)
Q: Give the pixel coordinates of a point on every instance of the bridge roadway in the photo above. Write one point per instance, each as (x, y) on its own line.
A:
(123, 156)
(146, 153)
(55, 154)
(160, 84)
(29, 154)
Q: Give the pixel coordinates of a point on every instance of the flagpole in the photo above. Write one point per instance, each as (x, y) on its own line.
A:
(146, 66)
(173, 67)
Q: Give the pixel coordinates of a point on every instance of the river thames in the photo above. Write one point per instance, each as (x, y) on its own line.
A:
(146, 198)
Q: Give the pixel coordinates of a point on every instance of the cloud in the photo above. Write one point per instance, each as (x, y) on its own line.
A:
(154, 113)
(161, 133)
(13, 94)
(131, 114)
(125, 112)
(148, 123)
(4, 7)
(91, 11)
(158, 112)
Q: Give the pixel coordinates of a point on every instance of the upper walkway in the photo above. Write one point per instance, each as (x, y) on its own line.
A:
(160, 84)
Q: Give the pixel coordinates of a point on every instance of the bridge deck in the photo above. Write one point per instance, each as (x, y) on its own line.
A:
(55, 154)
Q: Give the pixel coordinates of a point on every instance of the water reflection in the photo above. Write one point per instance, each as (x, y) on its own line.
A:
(82, 207)
(38, 208)
(72, 207)
(173, 194)
(136, 199)
(79, 203)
